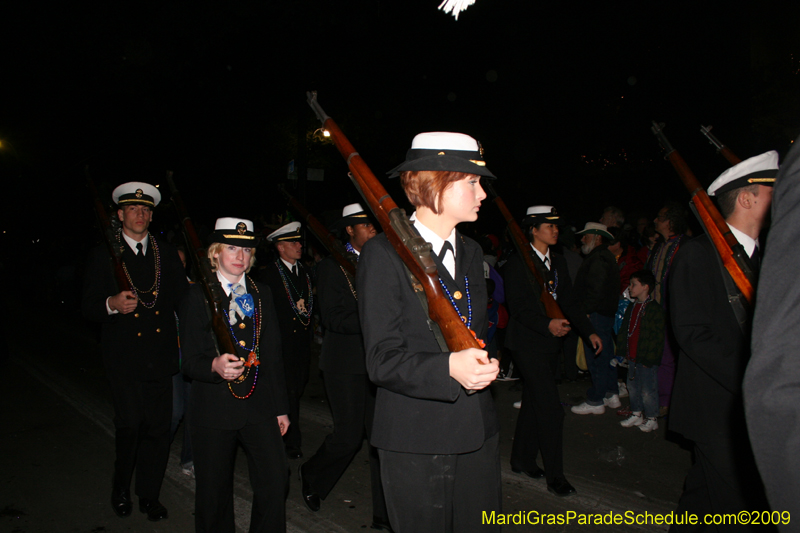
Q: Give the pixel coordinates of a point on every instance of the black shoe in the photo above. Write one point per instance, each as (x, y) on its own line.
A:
(537, 473)
(561, 487)
(155, 511)
(121, 501)
(311, 499)
(381, 524)
(294, 453)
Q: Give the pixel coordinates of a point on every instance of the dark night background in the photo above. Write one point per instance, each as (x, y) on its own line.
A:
(561, 95)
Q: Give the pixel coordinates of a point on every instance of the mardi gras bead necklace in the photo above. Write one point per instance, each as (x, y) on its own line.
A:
(302, 310)
(253, 358)
(154, 289)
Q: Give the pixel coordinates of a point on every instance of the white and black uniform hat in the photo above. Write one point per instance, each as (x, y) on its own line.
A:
(760, 169)
(444, 151)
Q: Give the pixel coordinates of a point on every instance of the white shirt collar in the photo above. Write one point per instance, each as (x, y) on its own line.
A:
(289, 265)
(549, 262)
(747, 242)
(437, 242)
(226, 285)
(132, 243)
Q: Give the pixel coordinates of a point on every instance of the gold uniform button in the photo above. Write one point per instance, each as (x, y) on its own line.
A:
(158, 330)
(294, 318)
(156, 312)
(242, 343)
(457, 295)
(241, 325)
(136, 315)
(139, 334)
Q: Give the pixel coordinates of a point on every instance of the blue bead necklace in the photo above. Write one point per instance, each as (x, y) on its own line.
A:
(467, 321)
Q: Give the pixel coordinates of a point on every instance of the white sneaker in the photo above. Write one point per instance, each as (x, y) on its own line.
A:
(518, 404)
(650, 425)
(612, 402)
(623, 390)
(586, 409)
(634, 420)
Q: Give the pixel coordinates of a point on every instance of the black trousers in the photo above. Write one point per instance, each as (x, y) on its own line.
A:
(352, 401)
(442, 493)
(540, 424)
(296, 365)
(142, 416)
(214, 458)
(723, 479)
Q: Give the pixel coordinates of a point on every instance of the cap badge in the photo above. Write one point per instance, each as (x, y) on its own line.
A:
(241, 228)
(440, 153)
(139, 193)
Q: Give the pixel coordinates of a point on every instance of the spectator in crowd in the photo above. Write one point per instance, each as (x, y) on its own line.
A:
(671, 224)
(597, 288)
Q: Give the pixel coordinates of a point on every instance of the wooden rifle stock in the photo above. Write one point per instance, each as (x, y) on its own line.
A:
(334, 247)
(524, 250)
(107, 230)
(721, 148)
(412, 249)
(207, 279)
(730, 251)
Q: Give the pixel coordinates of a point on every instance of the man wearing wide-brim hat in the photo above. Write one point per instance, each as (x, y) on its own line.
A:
(237, 398)
(597, 288)
(713, 332)
(293, 297)
(140, 345)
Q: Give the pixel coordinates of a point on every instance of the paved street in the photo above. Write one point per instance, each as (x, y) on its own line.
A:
(57, 449)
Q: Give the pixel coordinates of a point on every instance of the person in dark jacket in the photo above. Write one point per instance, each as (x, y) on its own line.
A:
(140, 345)
(350, 394)
(713, 334)
(438, 445)
(536, 340)
(597, 288)
(236, 399)
(293, 298)
(641, 341)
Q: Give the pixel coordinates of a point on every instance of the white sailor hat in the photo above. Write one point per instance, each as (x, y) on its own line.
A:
(444, 151)
(351, 215)
(235, 231)
(595, 228)
(288, 232)
(760, 169)
(136, 193)
(540, 214)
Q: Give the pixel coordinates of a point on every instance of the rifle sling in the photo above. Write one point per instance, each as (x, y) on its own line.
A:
(416, 286)
(735, 298)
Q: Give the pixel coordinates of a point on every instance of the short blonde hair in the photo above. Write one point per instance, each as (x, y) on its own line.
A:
(216, 249)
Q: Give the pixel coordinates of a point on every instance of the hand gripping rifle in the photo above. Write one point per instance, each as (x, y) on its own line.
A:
(412, 249)
(334, 247)
(207, 279)
(114, 250)
(732, 254)
(552, 310)
(721, 148)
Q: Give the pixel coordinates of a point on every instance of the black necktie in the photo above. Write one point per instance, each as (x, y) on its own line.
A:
(140, 251)
(755, 260)
(547, 262)
(294, 269)
(445, 247)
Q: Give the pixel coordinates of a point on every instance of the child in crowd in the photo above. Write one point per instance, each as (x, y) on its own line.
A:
(641, 340)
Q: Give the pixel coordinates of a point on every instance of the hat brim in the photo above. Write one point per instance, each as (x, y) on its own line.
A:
(446, 163)
(533, 220)
(604, 234)
(247, 240)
